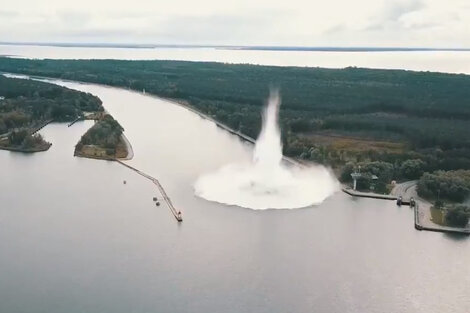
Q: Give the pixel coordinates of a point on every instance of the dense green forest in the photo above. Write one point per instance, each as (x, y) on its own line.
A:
(451, 185)
(411, 122)
(102, 140)
(26, 105)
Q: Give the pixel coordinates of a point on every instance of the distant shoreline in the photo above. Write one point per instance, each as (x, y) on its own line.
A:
(235, 47)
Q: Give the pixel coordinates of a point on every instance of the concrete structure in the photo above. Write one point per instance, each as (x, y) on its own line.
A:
(355, 176)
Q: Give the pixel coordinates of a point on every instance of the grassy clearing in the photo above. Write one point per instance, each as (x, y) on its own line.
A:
(353, 144)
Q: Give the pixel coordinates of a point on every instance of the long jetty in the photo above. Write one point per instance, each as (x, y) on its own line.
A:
(176, 213)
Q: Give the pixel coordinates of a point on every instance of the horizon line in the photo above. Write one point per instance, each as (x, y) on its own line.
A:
(232, 47)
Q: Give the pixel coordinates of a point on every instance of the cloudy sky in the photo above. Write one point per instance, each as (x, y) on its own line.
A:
(391, 23)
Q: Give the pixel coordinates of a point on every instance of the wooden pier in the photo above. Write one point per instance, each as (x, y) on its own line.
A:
(176, 213)
(34, 130)
(75, 120)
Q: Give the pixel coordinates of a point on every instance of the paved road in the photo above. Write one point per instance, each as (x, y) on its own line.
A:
(406, 189)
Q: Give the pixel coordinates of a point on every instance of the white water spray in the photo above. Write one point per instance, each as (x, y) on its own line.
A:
(266, 182)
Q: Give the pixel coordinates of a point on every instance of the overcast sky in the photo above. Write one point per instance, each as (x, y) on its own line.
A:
(391, 23)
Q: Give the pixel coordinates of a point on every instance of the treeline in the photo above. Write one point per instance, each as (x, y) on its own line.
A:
(450, 185)
(429, 112)
(28, 101)
(379, 174)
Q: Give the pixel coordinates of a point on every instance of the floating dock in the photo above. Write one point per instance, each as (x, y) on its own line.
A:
(176, 213)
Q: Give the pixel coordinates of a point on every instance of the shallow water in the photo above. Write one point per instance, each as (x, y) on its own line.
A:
(74, 238)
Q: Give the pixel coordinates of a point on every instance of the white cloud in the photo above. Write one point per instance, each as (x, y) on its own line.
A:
(262, 22)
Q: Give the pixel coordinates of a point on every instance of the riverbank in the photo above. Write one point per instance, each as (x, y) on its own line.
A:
(32, 130)
(423, 221)
(130, 151)
(422, 210)
(41, 148)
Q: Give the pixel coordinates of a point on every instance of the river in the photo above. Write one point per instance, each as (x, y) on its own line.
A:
(74, 238)
(435, 61)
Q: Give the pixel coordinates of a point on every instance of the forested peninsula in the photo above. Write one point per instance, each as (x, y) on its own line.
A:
(394, 124)
(28, 105)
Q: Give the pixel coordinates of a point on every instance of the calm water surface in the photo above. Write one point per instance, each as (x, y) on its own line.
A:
(74, 238)
(436, 61)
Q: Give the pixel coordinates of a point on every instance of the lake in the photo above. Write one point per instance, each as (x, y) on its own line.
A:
(74, 238)
(436, 61)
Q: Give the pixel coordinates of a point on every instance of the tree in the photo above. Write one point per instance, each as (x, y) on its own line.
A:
(16, 138)
(383, 170)
(439, 204)
(412, 169)
(451, 185)
(458, 216)
(346, 172)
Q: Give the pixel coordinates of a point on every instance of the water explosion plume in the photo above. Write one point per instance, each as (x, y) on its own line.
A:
(268, 182)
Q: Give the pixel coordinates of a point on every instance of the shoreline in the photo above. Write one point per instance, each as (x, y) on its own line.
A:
(128, 145)
(182, 103)
(125, 144)
(422, 212)
(33, 130)
(26, 150)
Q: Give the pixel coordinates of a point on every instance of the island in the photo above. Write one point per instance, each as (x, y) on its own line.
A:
(103, 141)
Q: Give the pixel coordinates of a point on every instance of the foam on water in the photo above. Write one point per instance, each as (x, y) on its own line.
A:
(266, 182)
